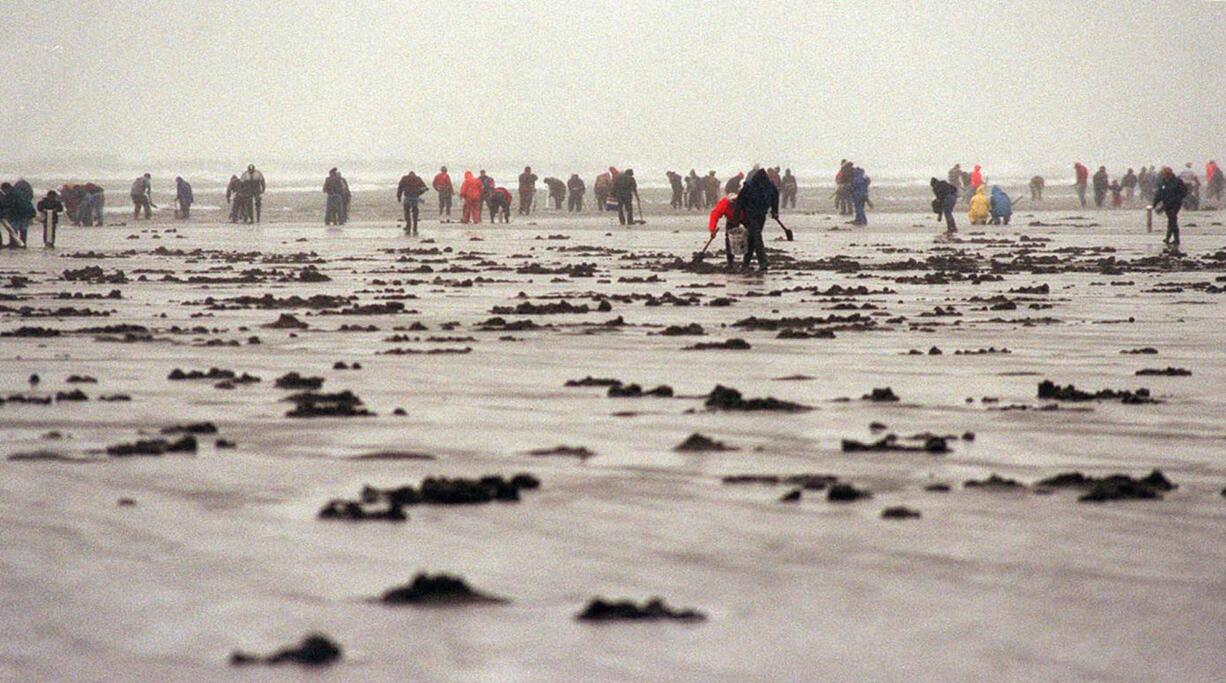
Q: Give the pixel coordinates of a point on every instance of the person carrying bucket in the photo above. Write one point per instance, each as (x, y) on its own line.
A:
(735, 242)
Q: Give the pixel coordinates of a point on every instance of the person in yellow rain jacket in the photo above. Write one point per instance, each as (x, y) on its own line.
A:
(980, 207)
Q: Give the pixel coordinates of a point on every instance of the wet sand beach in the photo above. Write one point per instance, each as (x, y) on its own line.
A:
(136, 564)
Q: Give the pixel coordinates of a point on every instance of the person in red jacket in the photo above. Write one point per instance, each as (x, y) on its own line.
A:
(1082, 175)
(470, 193)
(976, 177)
(727, 209)
(442, 185)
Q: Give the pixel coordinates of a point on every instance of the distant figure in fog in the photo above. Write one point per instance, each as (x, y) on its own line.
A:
(733, 185)
(575, 188)
(674, 182)
(788, 188)
(252, 182)
(1169, 200)
(1036, 188)
(602, 187)
(696, 190)
(946, 198)
(1102, 182)
(184, 197)
(625, 191)
(1191, 199)
(1081, 179)
(334, 204)
(557, 191)
(527, 189)
(93, 200)
(711, 190)
(1129, 183)
(859, 195)
(842, 188)
(442, 185)
(1117, 194)
(232, 198)
(346, 198)
(142, 196)
(408, 194)
(1147, 183)
(955, 176)
(1214, 181)
(487, 185)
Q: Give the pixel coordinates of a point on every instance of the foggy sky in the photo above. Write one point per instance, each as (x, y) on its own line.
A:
(678, 84)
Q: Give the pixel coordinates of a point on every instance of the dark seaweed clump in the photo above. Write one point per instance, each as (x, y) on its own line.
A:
(386, 504)
(727, 398)
(1054, 392)
(437, 589)
(1112, 487)
(340, 404)
(187, 444)
(314, 650)
(935, 445)
(654, 609)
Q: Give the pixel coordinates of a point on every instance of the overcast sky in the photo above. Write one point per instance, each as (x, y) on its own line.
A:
(902, 85)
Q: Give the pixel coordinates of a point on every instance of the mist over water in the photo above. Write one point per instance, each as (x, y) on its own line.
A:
(904, 88)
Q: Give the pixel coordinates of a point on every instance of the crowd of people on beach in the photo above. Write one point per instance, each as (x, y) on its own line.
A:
(1164, 191)
(481, 191)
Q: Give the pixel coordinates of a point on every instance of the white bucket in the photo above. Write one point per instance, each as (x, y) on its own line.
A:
(738, 240)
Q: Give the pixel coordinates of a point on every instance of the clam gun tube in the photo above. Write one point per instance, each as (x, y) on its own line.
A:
(1149, 218)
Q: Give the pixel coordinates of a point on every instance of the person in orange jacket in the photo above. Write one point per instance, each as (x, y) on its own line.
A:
(470, 192)
(727, 209)
(976, 177)
(442, 185)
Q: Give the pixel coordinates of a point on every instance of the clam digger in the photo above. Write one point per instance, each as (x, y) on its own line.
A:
(745, 214)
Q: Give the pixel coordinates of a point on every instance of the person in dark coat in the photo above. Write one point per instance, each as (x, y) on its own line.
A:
(334, 190)
(557, 191)
(575, 188)
(409, 193)
(1101, 183)
(93, 201)
(733, 186)
(678, 187)
(527, 188)
(859, 195)
(18, 210)
(625, 191)
(1169, 199)
(757, 198)
(946, 199)
(184, 196)
(500, 204)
